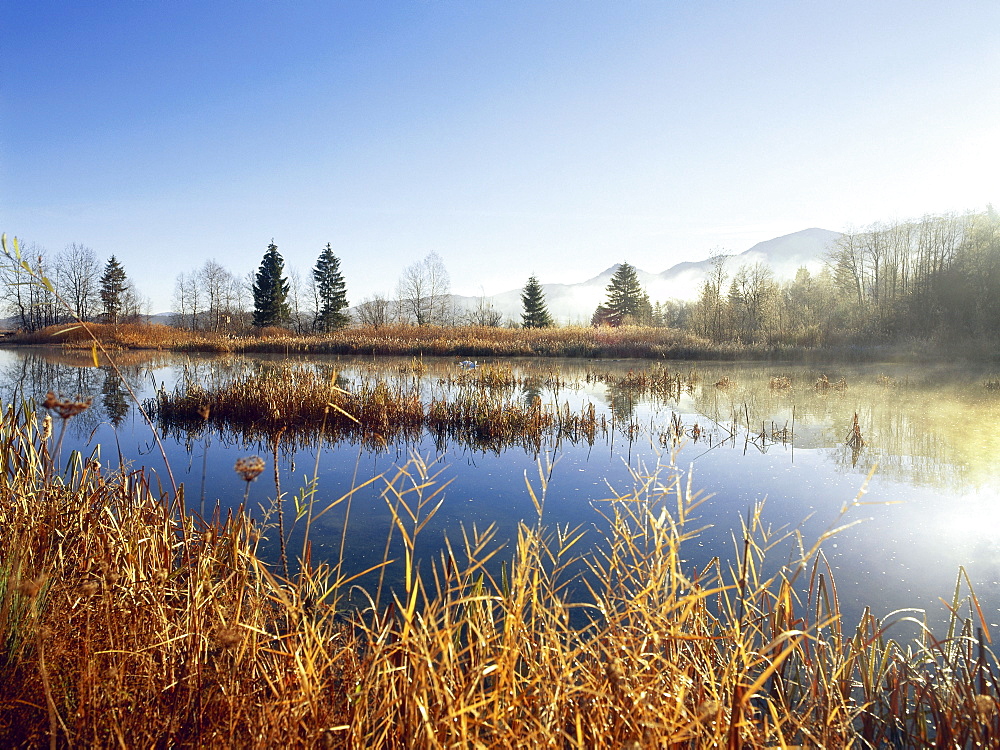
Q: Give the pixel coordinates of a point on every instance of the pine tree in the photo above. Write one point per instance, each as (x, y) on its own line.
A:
(331, 292)
(270, 291)
(113, 289)
(536, 314)
(627, 302)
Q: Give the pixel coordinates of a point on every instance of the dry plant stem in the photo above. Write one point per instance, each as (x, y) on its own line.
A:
(280, 501)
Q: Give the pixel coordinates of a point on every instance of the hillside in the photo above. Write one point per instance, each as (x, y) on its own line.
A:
(575, 303)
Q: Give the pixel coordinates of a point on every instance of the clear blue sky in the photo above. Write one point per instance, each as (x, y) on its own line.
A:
(510, 137)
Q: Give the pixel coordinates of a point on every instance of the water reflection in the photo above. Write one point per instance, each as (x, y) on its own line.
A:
(929, 433)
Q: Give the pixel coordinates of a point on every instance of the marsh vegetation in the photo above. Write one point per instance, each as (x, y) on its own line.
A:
(576, 615)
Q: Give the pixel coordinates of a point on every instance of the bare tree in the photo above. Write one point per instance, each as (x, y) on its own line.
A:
(710, 310)
(298, 297)
(484, 314)
(33, 305)
(424, 291)
(374, 311)
(78, 275)
(187, 301)
(220, 291)
(751, 297)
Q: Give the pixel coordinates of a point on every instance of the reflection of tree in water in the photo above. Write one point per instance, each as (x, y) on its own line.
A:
(926, 432)
(115, 398)
(622, 402)
(32, 375)
(531, 391)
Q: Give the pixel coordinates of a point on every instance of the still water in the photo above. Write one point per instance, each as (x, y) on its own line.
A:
(924, 488)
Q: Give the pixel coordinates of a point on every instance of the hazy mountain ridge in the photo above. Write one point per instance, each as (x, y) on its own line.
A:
(575, 303)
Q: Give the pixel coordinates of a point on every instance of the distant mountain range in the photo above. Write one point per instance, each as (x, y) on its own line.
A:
(575, 303)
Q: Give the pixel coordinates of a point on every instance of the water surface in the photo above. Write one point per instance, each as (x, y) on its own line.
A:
(925, 481)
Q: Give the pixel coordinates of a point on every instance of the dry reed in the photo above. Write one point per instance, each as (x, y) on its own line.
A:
(124, 621)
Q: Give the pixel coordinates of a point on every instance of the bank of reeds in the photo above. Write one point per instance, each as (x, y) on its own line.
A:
(126, 621)
(294, 401)
(449, 341)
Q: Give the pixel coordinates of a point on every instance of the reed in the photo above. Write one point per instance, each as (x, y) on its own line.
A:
(124, 620)
(476, 407)
(780, 383)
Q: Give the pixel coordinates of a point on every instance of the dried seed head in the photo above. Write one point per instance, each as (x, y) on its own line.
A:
(708, 709)
(65, 407)
(46, 427)
(249, 468)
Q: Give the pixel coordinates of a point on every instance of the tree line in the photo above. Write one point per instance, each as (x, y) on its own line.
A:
(935, 276)
(79, 287)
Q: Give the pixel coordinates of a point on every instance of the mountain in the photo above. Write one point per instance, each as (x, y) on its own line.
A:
(575, 303)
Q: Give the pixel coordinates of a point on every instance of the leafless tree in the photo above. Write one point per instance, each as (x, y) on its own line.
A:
(424, 291)
(374, 311)
(30, 302)
(484, 314)
(187, 301)
(77, 279)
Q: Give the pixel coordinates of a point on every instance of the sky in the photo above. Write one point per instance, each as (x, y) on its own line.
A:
(511, 137)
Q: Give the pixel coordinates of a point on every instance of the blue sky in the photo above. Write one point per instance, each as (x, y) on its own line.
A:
(511, 138)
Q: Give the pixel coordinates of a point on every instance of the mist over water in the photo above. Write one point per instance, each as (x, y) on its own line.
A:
(924, 487)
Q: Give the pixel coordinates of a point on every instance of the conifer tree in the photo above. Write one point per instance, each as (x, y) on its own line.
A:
(113, 288)
(627, 300)
(536, 314)
(331, 292)
(270, 291)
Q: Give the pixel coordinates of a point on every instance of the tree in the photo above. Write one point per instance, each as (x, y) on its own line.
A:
(710, 311)
(220, 290)
(270, 291)
(423, 291)
(187, 301)
(331, 292)
(77, 277)
(536, 313)
(484, 314)
(113, 288)
(32, 306)
(751, 294)
(374, 311)
(627, 303)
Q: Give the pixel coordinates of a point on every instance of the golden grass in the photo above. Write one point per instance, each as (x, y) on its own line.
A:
(126, 621)
(400, 340)
(476, 407)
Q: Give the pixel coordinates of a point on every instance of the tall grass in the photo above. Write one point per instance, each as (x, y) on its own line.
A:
(450, 341)
(477, 407)
(127, 622)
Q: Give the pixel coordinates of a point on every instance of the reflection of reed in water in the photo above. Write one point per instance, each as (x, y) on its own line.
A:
(299, 401)
(854, 441)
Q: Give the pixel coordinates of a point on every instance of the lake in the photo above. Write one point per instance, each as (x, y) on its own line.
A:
(924, 487)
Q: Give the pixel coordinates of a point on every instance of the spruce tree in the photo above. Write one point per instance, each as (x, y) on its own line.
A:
(113, 288)
(331, 292)
(270, 291)
(536, 314)
(627, 300)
